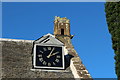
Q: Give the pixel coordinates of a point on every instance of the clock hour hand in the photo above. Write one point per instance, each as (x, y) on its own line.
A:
(54, 53)
(50, 53)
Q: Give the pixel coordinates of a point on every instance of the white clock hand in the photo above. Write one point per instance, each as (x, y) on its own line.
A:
(54, 53)
(50, 53)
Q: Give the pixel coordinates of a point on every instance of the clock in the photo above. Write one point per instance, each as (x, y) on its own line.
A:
(48, 57)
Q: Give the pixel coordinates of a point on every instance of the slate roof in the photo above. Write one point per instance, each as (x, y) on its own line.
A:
(17, 61)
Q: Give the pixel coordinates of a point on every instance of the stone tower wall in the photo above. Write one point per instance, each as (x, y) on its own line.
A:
(61, 23)
(78, 69)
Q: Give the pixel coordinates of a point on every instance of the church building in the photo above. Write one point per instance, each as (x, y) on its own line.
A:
(50, 56)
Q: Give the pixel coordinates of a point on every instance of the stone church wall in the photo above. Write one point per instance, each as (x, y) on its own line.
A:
(17, 61)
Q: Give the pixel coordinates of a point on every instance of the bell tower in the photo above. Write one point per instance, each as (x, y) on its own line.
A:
(62, 27)
(62, 30)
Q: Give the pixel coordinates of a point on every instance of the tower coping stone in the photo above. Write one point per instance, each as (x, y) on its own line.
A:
(64, 19)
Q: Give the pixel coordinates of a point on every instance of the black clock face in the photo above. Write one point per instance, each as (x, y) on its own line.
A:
(49, 56)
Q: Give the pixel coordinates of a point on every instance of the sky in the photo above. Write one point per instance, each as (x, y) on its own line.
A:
(92, 41)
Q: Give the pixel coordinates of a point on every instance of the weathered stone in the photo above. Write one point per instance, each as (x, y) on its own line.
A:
(17, 62)
(76, 63)
(82, 72)
(76, 59)
(17, 58)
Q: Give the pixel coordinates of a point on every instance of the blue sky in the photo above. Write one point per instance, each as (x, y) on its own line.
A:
(92, 41)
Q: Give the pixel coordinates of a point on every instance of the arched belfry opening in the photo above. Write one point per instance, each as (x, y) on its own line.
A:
(62, 31)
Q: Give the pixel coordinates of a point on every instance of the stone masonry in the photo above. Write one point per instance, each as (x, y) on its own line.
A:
(60, 24)
(16, 57)
(17, 62)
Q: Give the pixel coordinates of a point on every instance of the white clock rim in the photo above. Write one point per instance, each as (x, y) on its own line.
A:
(41, 67)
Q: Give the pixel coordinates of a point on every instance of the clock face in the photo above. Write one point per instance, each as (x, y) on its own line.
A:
(48, 57)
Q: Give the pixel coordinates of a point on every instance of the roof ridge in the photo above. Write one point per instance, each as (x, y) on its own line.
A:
(16, 40)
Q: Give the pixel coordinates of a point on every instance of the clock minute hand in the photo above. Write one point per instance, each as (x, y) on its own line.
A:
(50, 53)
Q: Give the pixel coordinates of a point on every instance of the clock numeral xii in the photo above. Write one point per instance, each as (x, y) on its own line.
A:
(49, 48)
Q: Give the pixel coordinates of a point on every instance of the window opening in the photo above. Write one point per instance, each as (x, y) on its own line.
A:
(62, 31)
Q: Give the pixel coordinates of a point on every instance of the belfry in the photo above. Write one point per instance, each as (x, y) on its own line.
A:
(61, 26)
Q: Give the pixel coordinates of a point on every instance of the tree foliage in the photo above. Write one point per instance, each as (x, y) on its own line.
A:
(112, 10)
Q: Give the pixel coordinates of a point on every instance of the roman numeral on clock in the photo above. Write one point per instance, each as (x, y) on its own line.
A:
(41, 59)
(40, 55)
(44, 49)
(57, 60)
(54, 63)
(44, 62)
(41, 51)
(49, 64)
(57, 56)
